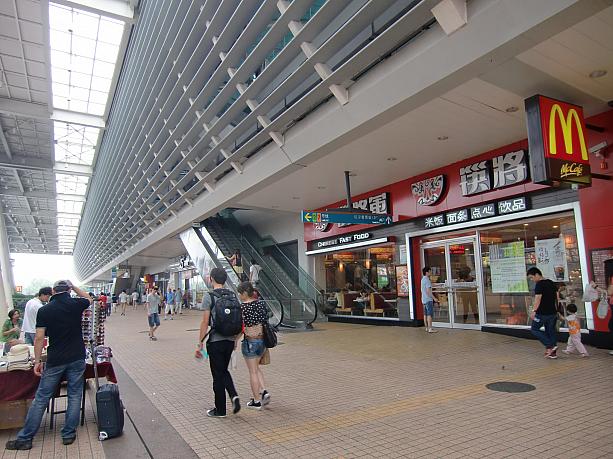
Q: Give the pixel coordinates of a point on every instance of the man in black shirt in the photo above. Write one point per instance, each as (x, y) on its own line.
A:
(60, 320)
(544, 312)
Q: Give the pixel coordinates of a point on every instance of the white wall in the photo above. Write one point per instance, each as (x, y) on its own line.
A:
(281, 226)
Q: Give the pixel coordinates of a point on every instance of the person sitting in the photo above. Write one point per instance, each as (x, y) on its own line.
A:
(11, 330)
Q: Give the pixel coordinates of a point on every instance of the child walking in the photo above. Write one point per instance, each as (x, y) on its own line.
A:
(574, 333)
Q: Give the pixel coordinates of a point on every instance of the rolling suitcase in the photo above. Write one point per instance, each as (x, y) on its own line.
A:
(110, 412)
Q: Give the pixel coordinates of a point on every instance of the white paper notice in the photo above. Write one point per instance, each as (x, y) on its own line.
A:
(551, 259)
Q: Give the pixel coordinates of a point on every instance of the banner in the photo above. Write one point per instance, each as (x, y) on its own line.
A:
(402, 280)
(508, 268)
(551, 259)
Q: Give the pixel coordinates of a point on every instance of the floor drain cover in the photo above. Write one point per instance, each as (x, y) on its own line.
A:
(508, 386)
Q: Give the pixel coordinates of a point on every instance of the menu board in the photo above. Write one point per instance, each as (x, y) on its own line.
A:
(402, 280)
(508, 268)
(551, 259)
(599, 256)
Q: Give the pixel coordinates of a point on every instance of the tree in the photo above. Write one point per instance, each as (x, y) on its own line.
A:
(35, 285)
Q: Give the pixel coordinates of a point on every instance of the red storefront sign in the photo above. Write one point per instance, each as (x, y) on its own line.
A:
(557, 144)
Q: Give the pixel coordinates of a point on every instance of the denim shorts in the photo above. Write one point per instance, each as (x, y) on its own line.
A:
(429, 308)
(253, 348)
(154, 319)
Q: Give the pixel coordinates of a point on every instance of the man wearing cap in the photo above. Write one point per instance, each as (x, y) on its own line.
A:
(32, 307)
(60, 320)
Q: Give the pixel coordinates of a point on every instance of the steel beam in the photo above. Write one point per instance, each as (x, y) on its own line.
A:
(116, 9)
(83, 119)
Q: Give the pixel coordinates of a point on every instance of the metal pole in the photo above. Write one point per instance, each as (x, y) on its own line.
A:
(348, 187)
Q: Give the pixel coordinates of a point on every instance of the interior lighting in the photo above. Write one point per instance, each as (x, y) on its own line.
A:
(511, 109)
(555, 226)
(598, 73)
(526, 224)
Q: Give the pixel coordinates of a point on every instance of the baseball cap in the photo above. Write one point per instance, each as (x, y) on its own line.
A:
(62, 286)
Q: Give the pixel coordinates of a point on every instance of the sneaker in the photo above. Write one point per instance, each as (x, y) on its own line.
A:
(265, 397)
(432, 330)
(254, 404)
(585, 355)
(552, 354)
(566, 352)
(153, 338)
(68, 441)
(610, 352)
(18, 445)
(165, 318)
(212, 413)
(236, 404)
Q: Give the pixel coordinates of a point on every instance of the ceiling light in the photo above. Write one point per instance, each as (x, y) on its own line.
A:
(321, 187)
(442, 137)
(598, 73)
(295, 198)
(555, 226)
(526, 224)
(511, 109)
(392, 158)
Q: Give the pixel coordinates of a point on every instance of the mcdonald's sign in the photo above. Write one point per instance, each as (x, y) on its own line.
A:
(556, 140)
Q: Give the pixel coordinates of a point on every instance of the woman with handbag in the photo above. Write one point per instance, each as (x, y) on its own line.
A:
(255, 315)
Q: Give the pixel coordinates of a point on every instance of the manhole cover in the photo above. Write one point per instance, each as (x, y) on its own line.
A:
(508, 386)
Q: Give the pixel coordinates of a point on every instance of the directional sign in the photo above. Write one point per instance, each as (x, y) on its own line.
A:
(346, 217)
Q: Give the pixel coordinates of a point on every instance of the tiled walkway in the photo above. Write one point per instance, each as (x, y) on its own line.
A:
(364, 391)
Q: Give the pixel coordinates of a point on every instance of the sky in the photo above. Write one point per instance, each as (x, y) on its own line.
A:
(27, 267)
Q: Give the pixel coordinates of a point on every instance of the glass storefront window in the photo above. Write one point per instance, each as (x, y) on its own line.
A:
(509, 250)
(366, 272)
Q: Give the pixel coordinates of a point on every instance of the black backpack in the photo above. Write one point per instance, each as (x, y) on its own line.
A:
(226, 315)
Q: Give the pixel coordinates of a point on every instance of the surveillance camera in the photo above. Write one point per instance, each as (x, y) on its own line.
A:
(574, 186)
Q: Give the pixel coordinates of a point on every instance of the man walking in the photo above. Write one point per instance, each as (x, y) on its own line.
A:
(60, 320)
(219, 347)
(428, 298)
(170, 304)
(544, 312)
(178, 301)
(123, 302)
(134, 299)
(32, 307)
(153, 304)
(109, 303)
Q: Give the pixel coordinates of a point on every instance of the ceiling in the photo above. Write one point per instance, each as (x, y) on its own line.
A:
(48, 135)
(473, 118)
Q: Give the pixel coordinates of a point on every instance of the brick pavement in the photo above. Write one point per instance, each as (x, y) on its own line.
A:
(48, 443)
(364, 391)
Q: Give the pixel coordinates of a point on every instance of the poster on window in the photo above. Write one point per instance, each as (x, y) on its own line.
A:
(402, 280)
(508, 268)
(551, 259)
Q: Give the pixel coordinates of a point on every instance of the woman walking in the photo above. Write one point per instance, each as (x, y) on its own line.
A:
(255, 314)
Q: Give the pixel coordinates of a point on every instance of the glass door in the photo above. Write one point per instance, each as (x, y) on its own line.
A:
(455, 282)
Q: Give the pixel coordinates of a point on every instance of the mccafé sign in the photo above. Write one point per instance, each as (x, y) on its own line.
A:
(556, 140)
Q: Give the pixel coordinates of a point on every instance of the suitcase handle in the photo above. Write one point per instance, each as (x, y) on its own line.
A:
(102, 436)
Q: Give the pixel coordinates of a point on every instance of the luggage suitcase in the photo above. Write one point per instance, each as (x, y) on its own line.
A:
(110, 412)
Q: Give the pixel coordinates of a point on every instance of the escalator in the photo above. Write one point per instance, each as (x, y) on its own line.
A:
(285, 309)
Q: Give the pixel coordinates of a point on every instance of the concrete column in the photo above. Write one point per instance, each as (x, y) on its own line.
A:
(6, 295)
(4, 308)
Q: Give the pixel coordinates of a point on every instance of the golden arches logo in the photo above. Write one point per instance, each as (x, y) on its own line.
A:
(567, 133)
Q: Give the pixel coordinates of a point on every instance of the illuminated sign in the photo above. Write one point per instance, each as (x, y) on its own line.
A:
(504, 207)
(429, 191)
(556, 139)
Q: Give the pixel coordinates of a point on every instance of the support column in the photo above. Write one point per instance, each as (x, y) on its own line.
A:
(6, 293)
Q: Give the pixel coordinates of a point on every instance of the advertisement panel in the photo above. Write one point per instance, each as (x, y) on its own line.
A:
(508, 268)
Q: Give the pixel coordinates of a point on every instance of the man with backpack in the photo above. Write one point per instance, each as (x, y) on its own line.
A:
(222, 312)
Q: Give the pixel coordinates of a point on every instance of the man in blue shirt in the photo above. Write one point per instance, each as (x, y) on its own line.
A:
(60, 320)
(170, 304)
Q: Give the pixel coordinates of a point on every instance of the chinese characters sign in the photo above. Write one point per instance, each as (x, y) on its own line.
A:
(556, 139)
(508, 206)
(508, 267)
(502, 171)
(429, 191)
(551, 259)
(377, 204)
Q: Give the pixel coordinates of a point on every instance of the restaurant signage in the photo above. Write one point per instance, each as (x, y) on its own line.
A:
(350, 238)
(556, 140)
(429, 191)
(355, 218)
(499, 172)
(507, 206)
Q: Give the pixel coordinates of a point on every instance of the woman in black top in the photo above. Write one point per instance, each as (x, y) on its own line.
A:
(255, 313)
